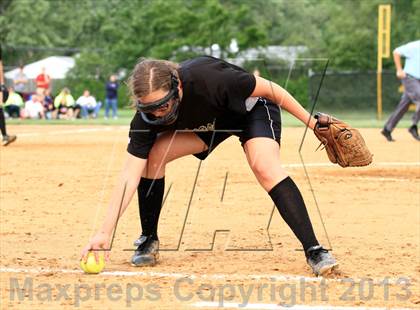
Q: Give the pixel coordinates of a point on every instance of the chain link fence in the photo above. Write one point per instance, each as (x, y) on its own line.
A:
(354, 90)
(348, 91)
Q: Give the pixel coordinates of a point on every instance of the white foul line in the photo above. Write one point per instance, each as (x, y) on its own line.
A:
(215, 276)
(114, 128)
(380, 179)
(73, 131)
(205, 304)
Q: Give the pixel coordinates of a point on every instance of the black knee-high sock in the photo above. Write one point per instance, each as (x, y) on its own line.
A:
(150, 194)
(291, 206)
(2, 123)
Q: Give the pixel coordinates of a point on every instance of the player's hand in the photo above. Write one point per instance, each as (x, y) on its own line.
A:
(401, 74)
(98, 242)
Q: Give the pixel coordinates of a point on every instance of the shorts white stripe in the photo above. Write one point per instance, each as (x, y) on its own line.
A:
(269, 118)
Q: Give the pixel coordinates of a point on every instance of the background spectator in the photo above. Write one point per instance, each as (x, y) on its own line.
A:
(63, 105)
(48, 104)
(42, 81)
(13, 104)
(20, 80)
(34, 108)
(88, 104)
(111, 98)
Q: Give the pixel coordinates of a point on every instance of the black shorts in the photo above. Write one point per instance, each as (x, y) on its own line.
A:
(264, 120)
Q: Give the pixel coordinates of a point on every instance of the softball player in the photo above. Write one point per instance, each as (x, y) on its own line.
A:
(7, 139)
(214, 100)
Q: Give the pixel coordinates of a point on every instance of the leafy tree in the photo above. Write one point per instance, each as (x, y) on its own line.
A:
(110, 35)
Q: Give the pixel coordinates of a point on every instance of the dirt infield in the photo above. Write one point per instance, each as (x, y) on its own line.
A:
(56, 181)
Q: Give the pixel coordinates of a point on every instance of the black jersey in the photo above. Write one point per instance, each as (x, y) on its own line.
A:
(213, 98)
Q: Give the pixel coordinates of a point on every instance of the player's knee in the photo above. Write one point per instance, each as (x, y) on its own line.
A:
(156, 157)
(264, 171)
(269, 173)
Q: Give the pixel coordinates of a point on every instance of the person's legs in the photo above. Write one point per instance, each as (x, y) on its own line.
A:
(84, 111)
(55, 113)
(15, 111)
(7, 139)
(168, 146)
(398, 113)
(107, 106)
(2, 123)
(97, 108)
(261, 141)
(416, 115)
(8, 110)
(415, 120)
(90, 112)
(114, 107)
(69, 113)
(264, 159)
(76, 110)
(412, 88)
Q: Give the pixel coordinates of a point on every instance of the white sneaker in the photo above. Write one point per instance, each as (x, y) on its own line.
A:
(321, 261)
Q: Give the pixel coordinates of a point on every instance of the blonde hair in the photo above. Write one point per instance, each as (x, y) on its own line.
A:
(150, 75)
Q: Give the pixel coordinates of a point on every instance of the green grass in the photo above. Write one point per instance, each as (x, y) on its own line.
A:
(124, 118)
(359, 119)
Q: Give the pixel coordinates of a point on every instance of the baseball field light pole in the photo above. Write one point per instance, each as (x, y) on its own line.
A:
(384, 42)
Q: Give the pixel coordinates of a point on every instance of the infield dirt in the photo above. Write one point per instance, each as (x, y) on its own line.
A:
(56, 182)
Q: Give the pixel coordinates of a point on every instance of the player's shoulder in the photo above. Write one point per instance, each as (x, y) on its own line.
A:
(413, 45)
(408, 47)
(207, 67)
(199, 61)
(137, 122)
(205, 61)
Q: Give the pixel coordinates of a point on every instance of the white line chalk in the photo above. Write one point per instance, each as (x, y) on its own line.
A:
(73, 131)
(215, 276)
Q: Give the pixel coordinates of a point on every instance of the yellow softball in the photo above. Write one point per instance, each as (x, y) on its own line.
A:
(91, 266)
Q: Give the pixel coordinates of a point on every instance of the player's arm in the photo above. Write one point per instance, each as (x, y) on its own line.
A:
(274, 92)
(123, 191)
(398, 66)
(120, 199)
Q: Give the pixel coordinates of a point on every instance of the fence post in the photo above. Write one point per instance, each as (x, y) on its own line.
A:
(384, 31)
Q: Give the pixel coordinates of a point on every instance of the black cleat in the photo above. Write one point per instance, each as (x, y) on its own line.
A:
(147, 252)
(8, 139)
(414, 132)
(321, 262)
(387, 135)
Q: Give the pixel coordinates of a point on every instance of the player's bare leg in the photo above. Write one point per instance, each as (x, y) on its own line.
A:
(169, 146)
(264, 159)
